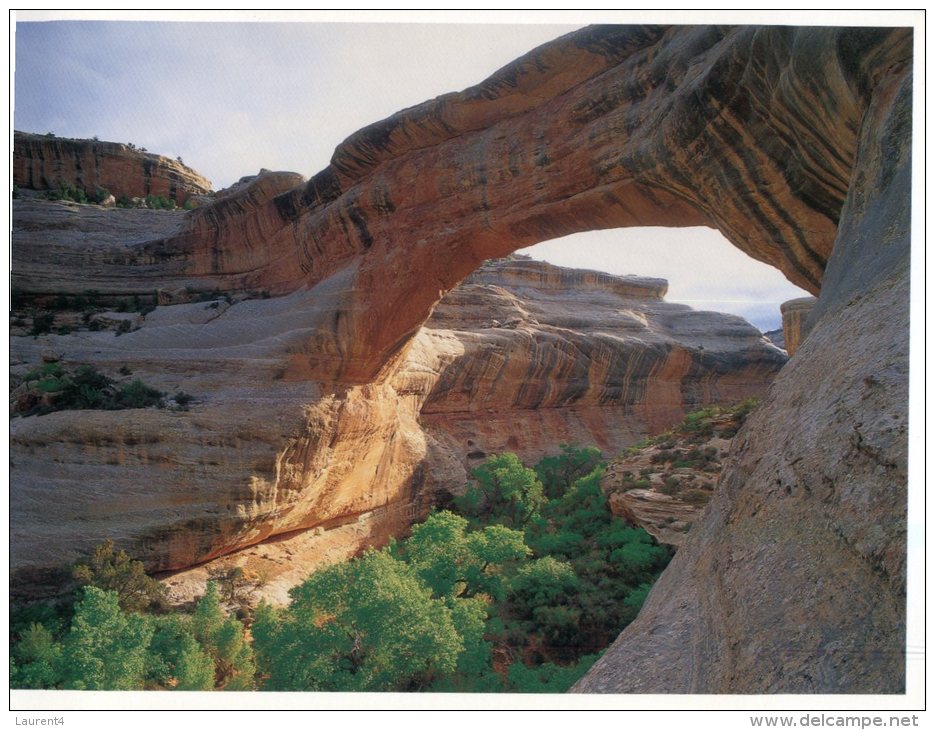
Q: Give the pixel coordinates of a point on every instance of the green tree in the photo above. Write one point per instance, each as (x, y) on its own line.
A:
(105, 648)
(37, 659)
(474, 671)
(194, 669)
(456, 563)
(175, 659)
(558, 473)
(544, 582)
(223, 638)
(209, 616)
(369, 624)
(116, 571)
(504, 491)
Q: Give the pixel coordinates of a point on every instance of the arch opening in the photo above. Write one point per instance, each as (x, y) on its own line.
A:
(704, 270)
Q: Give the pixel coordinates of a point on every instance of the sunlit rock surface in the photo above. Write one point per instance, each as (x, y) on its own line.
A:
(794, 142)
(45, 162)
(523, 356)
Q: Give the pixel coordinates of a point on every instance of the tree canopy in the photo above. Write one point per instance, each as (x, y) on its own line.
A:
(519, 592)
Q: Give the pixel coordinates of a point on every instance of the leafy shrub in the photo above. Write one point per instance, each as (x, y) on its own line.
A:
(159, 202)
(68, 191)
(100, 195)
(113, 570)
(695, 496)
(137, 395)
(49, 370)
(41, 324)
(544, 582)
(661, 457)
(86, 388)
(670, 486)
(547, 677)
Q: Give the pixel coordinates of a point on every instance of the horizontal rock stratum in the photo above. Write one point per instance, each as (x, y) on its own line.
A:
(522, 356)
(794, 142)
(44, 162)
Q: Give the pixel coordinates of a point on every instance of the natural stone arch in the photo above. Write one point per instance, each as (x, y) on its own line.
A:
(752, 130)
(801, 157)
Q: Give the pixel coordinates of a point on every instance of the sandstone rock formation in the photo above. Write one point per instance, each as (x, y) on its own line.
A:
(609, 126)
(41, 162)
(795, 581)
(522, 356)
(664, 484)
(546, 355)
(776, 337)
(794, 142)
(794, 317)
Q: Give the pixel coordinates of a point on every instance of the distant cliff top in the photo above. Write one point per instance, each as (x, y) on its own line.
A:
(520, 271)
(44, 161)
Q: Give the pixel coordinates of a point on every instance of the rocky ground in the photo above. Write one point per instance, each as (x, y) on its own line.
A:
(663, 483)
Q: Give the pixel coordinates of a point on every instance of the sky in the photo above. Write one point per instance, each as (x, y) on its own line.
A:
(231, 98)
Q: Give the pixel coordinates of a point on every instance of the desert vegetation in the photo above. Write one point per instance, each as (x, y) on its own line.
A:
(516, 587)
(57, 387)
(683, 462)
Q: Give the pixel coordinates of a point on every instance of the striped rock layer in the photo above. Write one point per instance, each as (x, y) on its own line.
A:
(794, 142)
(43, 162)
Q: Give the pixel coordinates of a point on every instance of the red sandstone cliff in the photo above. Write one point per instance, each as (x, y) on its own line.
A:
(522, 356)
(795, 142)
(42, 162)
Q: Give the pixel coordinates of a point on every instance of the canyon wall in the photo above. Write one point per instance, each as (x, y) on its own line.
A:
(794, 142)
(795, 580)
(522, 356)
(44, 162)
(794, 321)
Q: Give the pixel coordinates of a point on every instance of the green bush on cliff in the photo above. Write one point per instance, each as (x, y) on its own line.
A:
(86, 389)
(159, 202)
(113, 570)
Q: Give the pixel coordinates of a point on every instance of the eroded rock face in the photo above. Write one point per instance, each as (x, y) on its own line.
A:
(664, 485)
(610, 126)
(795, 580)
(41, 162)
(794, 317)
(794, 142)
(522, 357)
(529, 356)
